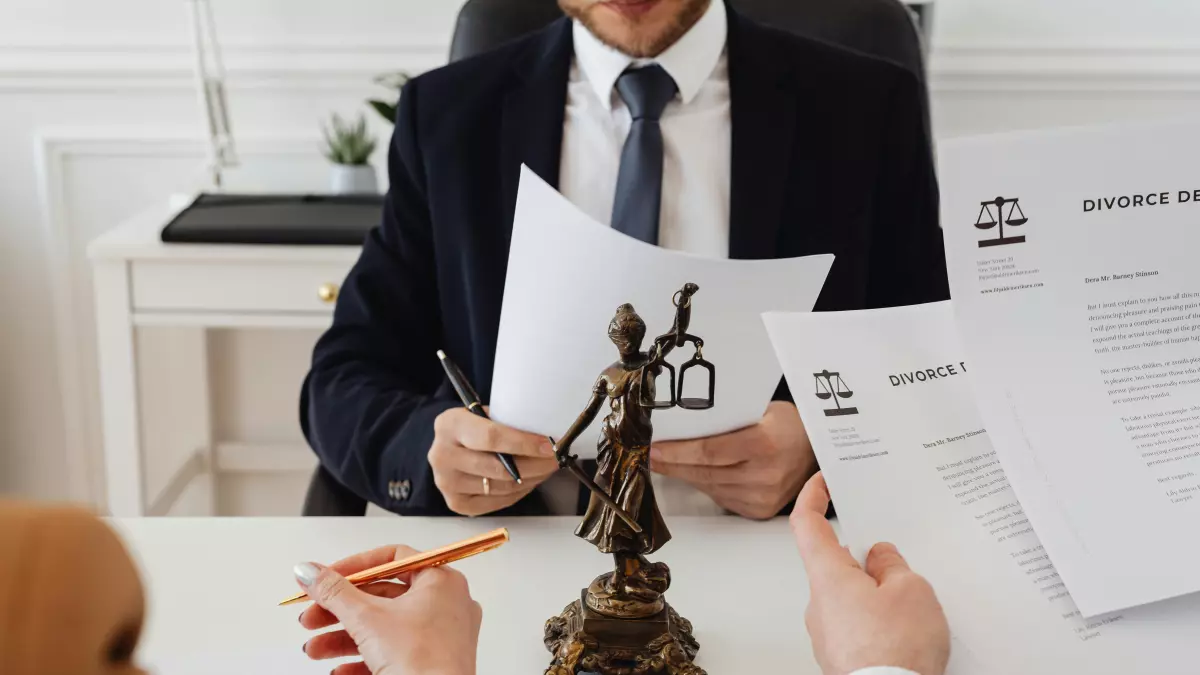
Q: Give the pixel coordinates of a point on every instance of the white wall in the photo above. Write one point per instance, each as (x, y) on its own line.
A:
(1101, 24)
(98, 119)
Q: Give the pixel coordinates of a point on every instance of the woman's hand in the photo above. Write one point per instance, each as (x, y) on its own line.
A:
(879, 614)
(429, 624)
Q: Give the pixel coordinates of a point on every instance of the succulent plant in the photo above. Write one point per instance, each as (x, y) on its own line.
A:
(348, 142)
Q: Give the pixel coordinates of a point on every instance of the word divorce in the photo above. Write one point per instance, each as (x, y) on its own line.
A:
(928, 374)
(1140, 200)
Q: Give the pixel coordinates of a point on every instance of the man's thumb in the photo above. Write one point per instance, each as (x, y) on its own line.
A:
(884, 561)
(329, 589)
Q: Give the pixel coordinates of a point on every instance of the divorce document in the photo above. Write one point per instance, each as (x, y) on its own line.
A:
(1077, 296)
(568, 274)
(886, 397)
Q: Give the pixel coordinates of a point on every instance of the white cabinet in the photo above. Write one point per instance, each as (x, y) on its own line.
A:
(140, 281)
(234, 287)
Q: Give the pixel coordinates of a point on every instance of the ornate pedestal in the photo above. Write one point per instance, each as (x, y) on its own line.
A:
(585, 641)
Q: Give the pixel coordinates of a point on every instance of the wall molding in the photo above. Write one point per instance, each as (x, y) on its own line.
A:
(1041, 68)
(349, 65)
(309, 64)
(54, 148)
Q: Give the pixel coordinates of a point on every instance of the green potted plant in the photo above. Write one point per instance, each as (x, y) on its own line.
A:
(349, 146)
(395, 82)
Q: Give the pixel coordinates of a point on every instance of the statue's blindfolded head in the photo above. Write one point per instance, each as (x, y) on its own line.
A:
(627, 330)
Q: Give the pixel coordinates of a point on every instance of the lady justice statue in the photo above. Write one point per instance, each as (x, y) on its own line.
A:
(621, 625)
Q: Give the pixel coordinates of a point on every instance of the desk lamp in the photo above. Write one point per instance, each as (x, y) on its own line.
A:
(210, 83)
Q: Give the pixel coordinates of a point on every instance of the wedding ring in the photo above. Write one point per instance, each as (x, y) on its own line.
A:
(487, 487)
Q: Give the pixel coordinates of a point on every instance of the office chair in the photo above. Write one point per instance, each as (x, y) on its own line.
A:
(328, 497)
(882, 28)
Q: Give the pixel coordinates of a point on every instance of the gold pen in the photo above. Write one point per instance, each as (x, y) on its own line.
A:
(435, 558)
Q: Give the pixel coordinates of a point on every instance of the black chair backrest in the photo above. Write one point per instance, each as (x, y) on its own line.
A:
(328, 497)
(883, 28)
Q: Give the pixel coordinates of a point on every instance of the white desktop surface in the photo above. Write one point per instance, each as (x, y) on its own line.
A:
(213, 585)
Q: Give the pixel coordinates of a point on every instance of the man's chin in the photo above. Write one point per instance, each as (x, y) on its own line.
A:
(623, 34)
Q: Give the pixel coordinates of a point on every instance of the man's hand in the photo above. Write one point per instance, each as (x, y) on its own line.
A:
(753, 472)
(463, 454)
(885, 615)
(426, 624)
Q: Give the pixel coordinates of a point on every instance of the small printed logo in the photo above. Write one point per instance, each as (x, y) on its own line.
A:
(831, 387)
(993, 215)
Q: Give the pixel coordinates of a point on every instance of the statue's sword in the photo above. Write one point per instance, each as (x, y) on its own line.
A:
(571, 463)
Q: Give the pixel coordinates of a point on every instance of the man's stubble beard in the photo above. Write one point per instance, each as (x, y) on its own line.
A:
(652, 45)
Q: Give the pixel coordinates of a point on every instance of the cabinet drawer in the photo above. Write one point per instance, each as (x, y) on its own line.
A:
(236, 287)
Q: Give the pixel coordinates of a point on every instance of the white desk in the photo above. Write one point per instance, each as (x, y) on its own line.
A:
(213, 586)
(140, 281)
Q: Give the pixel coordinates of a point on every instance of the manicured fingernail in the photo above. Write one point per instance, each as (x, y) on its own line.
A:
(306, 573)
(655, 455)
(547, 449)
(300, 618)
(304, 648)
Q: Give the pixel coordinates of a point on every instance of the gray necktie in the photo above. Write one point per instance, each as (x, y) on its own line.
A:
(646, 91)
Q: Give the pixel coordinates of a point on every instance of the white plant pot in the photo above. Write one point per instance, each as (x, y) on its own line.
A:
(353, 180)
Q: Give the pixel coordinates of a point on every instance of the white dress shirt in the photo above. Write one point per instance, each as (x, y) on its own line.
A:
(697, 140)
(697, 135)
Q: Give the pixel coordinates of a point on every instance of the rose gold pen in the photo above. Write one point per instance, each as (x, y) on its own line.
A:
(435, 558)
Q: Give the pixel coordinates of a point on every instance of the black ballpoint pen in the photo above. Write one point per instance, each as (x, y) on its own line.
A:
(471, 400)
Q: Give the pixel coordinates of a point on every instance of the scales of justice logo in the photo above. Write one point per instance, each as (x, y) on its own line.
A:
(989, 219)
(831, 387)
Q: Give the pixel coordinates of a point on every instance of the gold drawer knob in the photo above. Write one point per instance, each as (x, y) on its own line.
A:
(328, 293)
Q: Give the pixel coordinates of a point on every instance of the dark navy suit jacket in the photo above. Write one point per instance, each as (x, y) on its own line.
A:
(830, 155)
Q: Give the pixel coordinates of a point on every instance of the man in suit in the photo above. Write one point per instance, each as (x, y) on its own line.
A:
(679, 122)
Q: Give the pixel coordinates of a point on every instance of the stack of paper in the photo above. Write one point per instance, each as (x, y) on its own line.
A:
(914, 465)
(1082, 331)
(1035, 450)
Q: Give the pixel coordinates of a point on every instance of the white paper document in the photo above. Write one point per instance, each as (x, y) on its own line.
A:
(1077, 296)
(886, 398)
(568, 274)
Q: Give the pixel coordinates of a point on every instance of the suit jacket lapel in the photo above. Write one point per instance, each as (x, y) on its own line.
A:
(764, 110)
(531, 129)
(532, 125)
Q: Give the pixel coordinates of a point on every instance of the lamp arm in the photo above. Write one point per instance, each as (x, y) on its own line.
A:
(210, 85)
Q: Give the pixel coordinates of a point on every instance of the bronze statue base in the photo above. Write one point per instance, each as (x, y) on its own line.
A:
(582, 640)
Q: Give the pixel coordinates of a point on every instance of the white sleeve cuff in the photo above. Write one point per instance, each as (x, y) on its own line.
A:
(883, 670)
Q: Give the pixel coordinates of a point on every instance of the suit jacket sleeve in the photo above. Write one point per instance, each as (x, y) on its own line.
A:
(375, 387)
(907, 264)
(907, 257)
